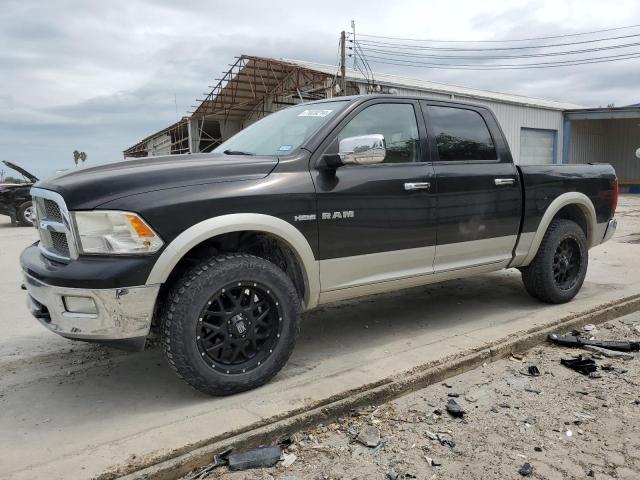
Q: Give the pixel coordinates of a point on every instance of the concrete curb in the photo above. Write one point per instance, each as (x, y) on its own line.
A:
(181, 462)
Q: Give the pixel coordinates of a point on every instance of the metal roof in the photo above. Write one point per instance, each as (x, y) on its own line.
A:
(428, 86)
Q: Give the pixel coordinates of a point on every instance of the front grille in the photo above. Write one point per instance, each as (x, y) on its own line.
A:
(53, 223)
(59, 244)
(52, 210)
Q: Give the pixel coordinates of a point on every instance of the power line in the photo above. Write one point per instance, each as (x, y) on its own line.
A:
(614, 58)
(499, 57)
(504, 40)
(528, 47)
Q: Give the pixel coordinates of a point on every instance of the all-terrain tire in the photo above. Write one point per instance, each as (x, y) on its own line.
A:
(192, 293)
(540, 277)
(24, 218)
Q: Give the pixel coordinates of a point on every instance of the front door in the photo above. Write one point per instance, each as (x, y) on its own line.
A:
(479, 200)
(377, 222)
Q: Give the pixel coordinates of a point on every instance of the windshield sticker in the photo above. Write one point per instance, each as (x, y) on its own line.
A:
(315, 113)
(285, 148)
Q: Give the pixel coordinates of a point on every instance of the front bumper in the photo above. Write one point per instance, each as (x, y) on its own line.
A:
(611, 229)
(122, 316)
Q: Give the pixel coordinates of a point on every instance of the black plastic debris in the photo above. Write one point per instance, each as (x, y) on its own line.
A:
(533, 371)
(454, 409)
(526, 470)
(256, 458)
(585, 366)
(574, 341)
(219, 460)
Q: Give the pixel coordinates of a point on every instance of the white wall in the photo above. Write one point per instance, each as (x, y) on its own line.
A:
(511, 118)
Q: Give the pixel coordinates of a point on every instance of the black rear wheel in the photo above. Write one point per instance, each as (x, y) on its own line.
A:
(231, 324)
(558, 270)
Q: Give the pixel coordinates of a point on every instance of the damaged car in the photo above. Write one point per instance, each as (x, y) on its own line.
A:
(15, 199)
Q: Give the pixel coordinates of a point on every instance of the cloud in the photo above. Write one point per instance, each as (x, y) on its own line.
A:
(99, 76)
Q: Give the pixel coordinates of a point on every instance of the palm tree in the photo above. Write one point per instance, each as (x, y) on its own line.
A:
(83, 157)
(76, 156)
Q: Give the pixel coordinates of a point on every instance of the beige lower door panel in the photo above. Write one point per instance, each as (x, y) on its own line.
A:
(346, 272)
(455, 256)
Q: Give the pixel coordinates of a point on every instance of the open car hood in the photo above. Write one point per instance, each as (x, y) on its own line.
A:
(21, 170)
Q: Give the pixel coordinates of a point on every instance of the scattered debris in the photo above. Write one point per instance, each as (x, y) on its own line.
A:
(526, 470)
(392, 474)
(255, 458)
(288, 459)
(610, 368)
(445, 439)
(453, 394)
(378, 447)
(608, 353)
(219, 460)
(589, 327)
(533, 371)
(574, 341)
(432, 462)
(532, 390)
(454, 409)
(369, 437)
(581, 365)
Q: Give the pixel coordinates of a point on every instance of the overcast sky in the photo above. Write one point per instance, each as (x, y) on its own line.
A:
(100, 75)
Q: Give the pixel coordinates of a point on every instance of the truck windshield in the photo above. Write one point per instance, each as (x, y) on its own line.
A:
(283, 132)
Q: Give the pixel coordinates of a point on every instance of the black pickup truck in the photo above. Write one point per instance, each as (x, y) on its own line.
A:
(220, 253)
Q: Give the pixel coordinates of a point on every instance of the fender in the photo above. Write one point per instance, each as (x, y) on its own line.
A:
(524, 255)
(237, 222)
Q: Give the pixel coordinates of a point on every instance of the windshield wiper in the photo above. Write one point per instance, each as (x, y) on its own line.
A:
(236, 152)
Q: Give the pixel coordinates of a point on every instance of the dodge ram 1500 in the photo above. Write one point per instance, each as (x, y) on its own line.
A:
(220, 253)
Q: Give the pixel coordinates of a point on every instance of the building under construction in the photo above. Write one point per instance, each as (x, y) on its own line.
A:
(538, 131)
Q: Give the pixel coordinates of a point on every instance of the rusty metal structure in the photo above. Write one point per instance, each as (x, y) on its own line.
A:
(172, 140)
(251, 88)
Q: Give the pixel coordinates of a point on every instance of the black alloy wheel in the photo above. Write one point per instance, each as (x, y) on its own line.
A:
(566, 263)
(239, 327)
(557, 272)
(230, 323)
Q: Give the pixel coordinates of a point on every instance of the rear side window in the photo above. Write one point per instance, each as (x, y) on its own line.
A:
(461, 134)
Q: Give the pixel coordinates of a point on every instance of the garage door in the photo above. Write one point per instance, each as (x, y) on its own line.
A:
(537, 147)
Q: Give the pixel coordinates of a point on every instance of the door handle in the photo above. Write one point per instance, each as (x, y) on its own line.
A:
(417, 186)
(504, 181)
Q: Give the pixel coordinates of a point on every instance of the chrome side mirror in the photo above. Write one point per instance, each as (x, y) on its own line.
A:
(362, 150)
(638, 153)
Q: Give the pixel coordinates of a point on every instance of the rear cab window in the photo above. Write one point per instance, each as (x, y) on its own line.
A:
(461, 134)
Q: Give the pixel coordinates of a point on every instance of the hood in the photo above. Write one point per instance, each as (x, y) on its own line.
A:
(22, 171)
(87, 188)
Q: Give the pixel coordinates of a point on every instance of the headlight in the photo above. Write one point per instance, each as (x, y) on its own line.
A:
(110, 232)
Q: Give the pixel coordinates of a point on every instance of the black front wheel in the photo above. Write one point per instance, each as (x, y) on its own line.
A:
(26, 214)
(557, 272)
(231, 324)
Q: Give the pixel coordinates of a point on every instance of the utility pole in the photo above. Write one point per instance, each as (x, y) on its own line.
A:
(343, 63)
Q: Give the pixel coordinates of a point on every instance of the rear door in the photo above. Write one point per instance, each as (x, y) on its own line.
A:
(377, 222)
(479, 197)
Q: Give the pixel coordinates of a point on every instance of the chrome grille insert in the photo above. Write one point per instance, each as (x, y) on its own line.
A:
(57, 238)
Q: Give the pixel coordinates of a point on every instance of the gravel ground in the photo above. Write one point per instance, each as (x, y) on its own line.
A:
(564, 424)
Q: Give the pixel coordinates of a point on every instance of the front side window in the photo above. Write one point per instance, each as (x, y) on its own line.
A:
(283, 132)
(461, 134)
(396, 122)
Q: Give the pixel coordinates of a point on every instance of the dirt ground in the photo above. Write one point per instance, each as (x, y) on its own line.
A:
(564, 424)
